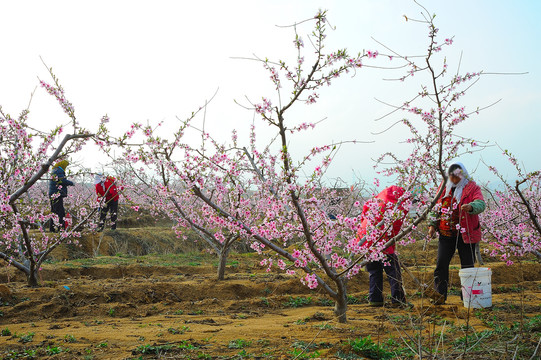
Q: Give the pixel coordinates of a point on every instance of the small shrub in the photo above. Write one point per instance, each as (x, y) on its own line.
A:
(299, 344)
(176, 331)
(473, 338)
(26, 338)
(5, 332)
(187, 346)
(298, 302)
(53, 350)
(30, 353)
(367, 347)
(239, 344)
(325, 302)
(299, 354)
(70, 339)
(153, 349)
(534, 324)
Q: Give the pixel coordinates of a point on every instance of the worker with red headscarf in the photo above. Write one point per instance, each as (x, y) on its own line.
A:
(106, 187)
(389, 199)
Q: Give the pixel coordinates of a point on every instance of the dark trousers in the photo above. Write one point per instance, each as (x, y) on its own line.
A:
(112, 207)
(375, 269)
(446, 249)
(57, 207)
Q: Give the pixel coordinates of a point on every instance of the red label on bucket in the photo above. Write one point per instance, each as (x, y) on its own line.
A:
(477, 292)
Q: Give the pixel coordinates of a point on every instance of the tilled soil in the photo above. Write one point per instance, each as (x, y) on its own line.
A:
(133, 309)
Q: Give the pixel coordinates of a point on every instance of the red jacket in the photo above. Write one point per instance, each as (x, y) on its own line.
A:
(388, 195)
(101, 189)
(470, 222)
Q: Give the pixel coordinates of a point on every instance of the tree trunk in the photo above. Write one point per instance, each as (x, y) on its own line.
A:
(32, 277)
(224, 252)
(341, 302)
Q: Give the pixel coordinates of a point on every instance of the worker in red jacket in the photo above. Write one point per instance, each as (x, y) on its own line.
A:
(387, 199)
(106, 187)
(457, 223)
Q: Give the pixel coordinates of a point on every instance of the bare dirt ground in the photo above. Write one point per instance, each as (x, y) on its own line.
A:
(171, 306)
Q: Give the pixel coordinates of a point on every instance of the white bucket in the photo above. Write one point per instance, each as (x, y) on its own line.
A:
(476, 287)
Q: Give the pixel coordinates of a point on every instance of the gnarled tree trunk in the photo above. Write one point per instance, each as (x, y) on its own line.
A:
(224, 253)
(32, 277)
(341, 301)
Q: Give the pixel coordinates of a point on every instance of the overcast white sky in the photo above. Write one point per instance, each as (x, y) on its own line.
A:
(154, 60)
